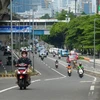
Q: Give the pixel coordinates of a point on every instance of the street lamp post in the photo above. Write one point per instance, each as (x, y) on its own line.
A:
(33, 36)
(11, 33)
(94, 42)
(32, 28)
(94, 37)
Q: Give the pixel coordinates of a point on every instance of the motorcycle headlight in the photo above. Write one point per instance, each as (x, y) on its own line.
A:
(24, 72)
(18, 72)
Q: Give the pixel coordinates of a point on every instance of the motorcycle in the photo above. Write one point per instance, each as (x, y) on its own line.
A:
(80, 72)
(35, 52)
(59, 56)
(22, 76)
(56, 65)
(69, 72)
(53, 55)
(42, 57)
(74, 64)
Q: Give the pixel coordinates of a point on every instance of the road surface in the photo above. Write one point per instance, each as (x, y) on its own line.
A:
(52, 84)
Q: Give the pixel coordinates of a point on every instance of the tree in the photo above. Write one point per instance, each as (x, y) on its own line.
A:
(57, 34)
(83, 13)
(46, 16)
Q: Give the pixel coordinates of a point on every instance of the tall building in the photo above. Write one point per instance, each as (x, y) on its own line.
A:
(88, 6)
(97, 6)
(71, 6)
(26, 5)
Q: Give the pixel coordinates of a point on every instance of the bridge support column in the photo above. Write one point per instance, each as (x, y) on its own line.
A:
(45, 25)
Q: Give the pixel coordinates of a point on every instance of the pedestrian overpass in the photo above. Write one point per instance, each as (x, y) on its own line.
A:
(40, 26)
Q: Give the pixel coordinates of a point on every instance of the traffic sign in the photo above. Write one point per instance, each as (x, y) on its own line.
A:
(99, 8)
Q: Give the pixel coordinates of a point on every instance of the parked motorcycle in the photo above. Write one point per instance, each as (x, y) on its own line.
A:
(22, 76)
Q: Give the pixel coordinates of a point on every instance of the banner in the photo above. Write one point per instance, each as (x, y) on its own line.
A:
(15, 29)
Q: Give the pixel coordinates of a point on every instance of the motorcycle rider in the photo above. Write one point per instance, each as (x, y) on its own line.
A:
(80, 67)
(24, 59)
(69, 66)
(56, 62)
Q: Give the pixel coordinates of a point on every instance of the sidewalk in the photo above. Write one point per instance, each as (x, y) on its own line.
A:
(97, 61)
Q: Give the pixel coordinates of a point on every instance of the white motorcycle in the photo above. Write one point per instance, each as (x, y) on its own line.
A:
(80, 72)
(69, 72)
(59, 56)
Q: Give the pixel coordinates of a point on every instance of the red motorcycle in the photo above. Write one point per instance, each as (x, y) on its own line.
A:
(22, 76)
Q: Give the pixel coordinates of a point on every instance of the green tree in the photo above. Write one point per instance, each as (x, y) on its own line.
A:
(46, 16)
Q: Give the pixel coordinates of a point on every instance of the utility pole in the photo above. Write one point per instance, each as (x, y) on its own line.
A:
(75, 7)
(11, 34)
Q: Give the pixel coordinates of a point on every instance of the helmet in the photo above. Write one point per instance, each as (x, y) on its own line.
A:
(68, 64)
(24, 52)
(80, 64)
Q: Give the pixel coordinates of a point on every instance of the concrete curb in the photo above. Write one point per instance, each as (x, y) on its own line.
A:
(92, 73)
(13, 75)
(86, 58)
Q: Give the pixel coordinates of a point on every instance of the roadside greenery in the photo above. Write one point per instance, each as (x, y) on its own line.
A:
(78, 33)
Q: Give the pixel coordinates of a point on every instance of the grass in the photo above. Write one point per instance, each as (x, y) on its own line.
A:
(81, 57)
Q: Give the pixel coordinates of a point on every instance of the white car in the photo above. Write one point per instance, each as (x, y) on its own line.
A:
(24, 49)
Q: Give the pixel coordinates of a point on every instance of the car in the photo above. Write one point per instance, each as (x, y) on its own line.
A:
(64, 53)
(43, 52)
(24, 49)
(72, 57)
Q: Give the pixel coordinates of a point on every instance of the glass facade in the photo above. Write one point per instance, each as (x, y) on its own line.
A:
(22, 8)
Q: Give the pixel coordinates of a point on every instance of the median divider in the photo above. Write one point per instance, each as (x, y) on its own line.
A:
(13, 75)
(87, 59)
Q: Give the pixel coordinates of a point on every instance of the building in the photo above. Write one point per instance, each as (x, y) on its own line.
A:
(71, 6)
(97, 6)
(88, 6)
(37, 14)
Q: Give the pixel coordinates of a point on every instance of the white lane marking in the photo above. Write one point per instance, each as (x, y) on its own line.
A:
(54, 79)
(44, 62)
(58, 72)
(16, 55)
(89, 93)
(38, 72)
(1, 91)
(92, 88)
(92, 77)
(10, 88)
(36, 81)
(49, 67)
(92, 92)
(85, 81)
(46, 65)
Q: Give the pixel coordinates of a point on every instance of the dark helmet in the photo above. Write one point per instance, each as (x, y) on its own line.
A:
(68, 64)
(24, 52)
(80, 64)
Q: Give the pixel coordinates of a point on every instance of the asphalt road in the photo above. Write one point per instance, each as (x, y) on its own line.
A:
(52, 84)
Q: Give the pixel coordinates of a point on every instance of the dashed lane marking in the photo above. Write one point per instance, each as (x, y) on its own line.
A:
(58, 72)
(92, 88)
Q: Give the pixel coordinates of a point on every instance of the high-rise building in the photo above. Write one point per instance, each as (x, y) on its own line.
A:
(97, 6)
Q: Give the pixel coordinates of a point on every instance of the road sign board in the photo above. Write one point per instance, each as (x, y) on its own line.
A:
(99, 8)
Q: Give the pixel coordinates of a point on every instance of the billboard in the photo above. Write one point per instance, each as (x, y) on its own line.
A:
(15, 29)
